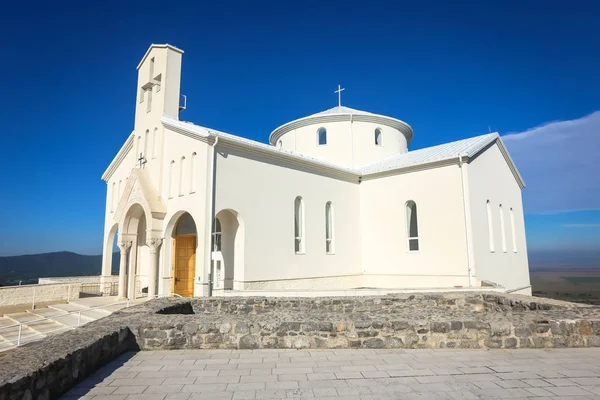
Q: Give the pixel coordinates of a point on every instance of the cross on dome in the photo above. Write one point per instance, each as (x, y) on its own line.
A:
(339, 92)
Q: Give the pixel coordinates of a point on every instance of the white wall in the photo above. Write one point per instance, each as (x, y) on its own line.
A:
(263, 194)
(192, 199)
(441, 260)
(491, 179)
(351, 144)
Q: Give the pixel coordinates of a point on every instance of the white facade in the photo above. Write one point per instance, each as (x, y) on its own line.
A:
(336, 201)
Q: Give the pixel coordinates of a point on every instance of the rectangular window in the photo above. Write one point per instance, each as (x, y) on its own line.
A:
(329, 244)
(411, 226)
(299, 226)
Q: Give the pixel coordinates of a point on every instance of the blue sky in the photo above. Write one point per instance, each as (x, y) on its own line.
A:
(450, 69)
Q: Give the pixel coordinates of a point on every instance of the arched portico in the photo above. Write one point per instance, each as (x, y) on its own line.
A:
(139, 247)
(227, 264)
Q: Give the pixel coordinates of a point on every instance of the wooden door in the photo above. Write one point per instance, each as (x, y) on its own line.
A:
(185, 265)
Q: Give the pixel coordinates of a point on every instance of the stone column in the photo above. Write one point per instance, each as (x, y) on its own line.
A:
(124, 246)
(153, 244)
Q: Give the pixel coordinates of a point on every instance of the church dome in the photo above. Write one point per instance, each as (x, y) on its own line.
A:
(345, 136)
(338, 114)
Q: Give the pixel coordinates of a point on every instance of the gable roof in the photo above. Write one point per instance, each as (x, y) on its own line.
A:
(428, 157)
(188, 128)
(465, 149)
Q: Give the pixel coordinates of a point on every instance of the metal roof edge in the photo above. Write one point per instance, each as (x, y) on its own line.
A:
(114, 164)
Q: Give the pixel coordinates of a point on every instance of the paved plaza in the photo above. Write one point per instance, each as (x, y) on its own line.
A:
(348, 374)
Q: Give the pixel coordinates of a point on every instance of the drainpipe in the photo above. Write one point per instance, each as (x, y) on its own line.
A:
(467, 238)
(211, 213)
(352, 139)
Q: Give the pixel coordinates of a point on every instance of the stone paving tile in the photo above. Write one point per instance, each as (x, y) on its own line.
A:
(347, 374)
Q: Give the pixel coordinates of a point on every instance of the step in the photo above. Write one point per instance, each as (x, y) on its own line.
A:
(22, 317)
(46, 312)
(95, 314)
(6, 321)
(72, 320)
(11, 334)
(46, 326)
(90, 302)
(116, 307)
(67, 307)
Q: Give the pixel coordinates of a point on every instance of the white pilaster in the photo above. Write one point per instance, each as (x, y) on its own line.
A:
(153, 244)
(124, 246)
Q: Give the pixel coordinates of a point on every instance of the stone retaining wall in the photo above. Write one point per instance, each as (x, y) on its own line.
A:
(79, 279)
(11, 296)
(399, 321)
(50, 367)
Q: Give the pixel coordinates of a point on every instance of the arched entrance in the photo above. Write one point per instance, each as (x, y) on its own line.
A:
(184, 246)
(227, 250)
(135, 269)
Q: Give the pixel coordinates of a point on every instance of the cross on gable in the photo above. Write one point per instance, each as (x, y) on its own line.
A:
(142, 161)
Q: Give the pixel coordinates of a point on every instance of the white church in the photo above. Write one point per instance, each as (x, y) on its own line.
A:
(336, 202)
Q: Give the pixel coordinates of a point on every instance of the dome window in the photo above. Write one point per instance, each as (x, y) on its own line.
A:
(377, 137)
(322, 136)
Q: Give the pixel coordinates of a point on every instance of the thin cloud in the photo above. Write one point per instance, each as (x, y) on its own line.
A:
(560, 163)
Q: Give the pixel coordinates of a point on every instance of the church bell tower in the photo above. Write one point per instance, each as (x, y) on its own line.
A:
(158, 88)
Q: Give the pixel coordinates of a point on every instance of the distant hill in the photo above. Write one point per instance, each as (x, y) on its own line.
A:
(28, 268)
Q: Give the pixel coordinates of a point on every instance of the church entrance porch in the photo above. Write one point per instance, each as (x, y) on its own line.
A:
(184, 256)
(138, 268)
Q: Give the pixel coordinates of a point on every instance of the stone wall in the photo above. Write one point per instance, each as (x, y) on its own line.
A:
(50, 367)
(402, 321)
(79, 279)
(29, 294)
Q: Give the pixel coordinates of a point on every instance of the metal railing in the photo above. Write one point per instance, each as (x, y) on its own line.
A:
(21, 339)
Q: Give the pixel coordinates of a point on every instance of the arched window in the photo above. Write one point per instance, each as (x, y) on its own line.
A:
(322, 136)
(146, 142)
(514, 232)
(181, 173)
(490, 226)
(299, 225)
(216, 236)
(377, 137)
(154, 139)
(502, 228)
(119, 192)
(171, 178)
(112, 197)
(329, 235)
(412, 229)
(192, 172)
(279, 144)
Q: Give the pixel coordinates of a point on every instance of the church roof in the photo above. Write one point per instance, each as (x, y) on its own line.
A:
(340, 110)
(340, 114)
(466, 149)
(415, 159)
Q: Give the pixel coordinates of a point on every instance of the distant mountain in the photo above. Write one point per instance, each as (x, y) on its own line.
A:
(28, 268)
